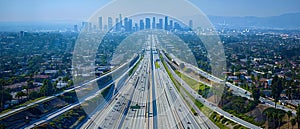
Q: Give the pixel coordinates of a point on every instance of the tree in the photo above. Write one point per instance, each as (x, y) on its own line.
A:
(33, 95)
(279, 119)
(20, 95)
(289, 113)
(268, 114)
(276, 88)
(29, 86)
(274, 117)
(47, 88)
(5, 96)
(256, 94)
(70, 83)
(293, 122)
(298, 116)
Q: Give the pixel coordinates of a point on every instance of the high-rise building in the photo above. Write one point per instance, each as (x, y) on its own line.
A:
(160, 24)
(177, 26)
(153, 23)
(84, 26)
(148, 23)
(166, 23)
(126, 24)
(90, 27)
(21, 34)
(142, 25)
(136, 28)
(75, 28)
(118, 26)
(171, 25)
(121, 20)
(100, 23)
(109, 23)
(191, 24)
(130, 25)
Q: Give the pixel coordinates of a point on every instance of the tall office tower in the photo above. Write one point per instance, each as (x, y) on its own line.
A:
(153, 23)
(160, 24)
(166, 23)
(84, 26)
(121, 21)
(90, 27)
(191, 24)
(142, 25)
(136, 27)
(75, 28)
(171, 25)
(21, 34)
(109, 23)
(177, 26)
(100, 23)
(118, 26)
(126, 24)
(130, 25)
(148, 23)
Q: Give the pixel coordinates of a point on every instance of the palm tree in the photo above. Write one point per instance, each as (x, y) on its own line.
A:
(279, 119)
(289, 113)
(298, 115)
(28, 87)
(268, 117)
(293, 122)
(274, 118)
(20, 95)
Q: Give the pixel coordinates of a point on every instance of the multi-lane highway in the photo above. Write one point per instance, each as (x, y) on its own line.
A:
(3, 115)
(130, 107)
(172, 109)
(148, 99)
(56, 113)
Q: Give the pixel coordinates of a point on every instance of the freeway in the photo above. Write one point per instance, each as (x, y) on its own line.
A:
(154, 106)
(148, 99)
(209, 104)
(70, 106)
(56, 95)
(119, 113)
(173, 112)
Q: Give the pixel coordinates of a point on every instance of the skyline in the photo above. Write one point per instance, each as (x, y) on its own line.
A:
(77, 10)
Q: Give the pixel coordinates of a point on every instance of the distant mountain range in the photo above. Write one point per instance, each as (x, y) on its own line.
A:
(285, 21)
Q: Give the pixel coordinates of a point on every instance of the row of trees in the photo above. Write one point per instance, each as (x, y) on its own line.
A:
(4, 94)
(46, 90)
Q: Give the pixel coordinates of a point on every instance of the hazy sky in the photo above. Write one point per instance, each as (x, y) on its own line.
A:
(44, 10)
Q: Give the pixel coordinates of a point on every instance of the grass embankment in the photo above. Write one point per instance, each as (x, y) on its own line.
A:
(24, 104)
(201, 88)
(157, 65)
(31, 101)
(135, 66)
